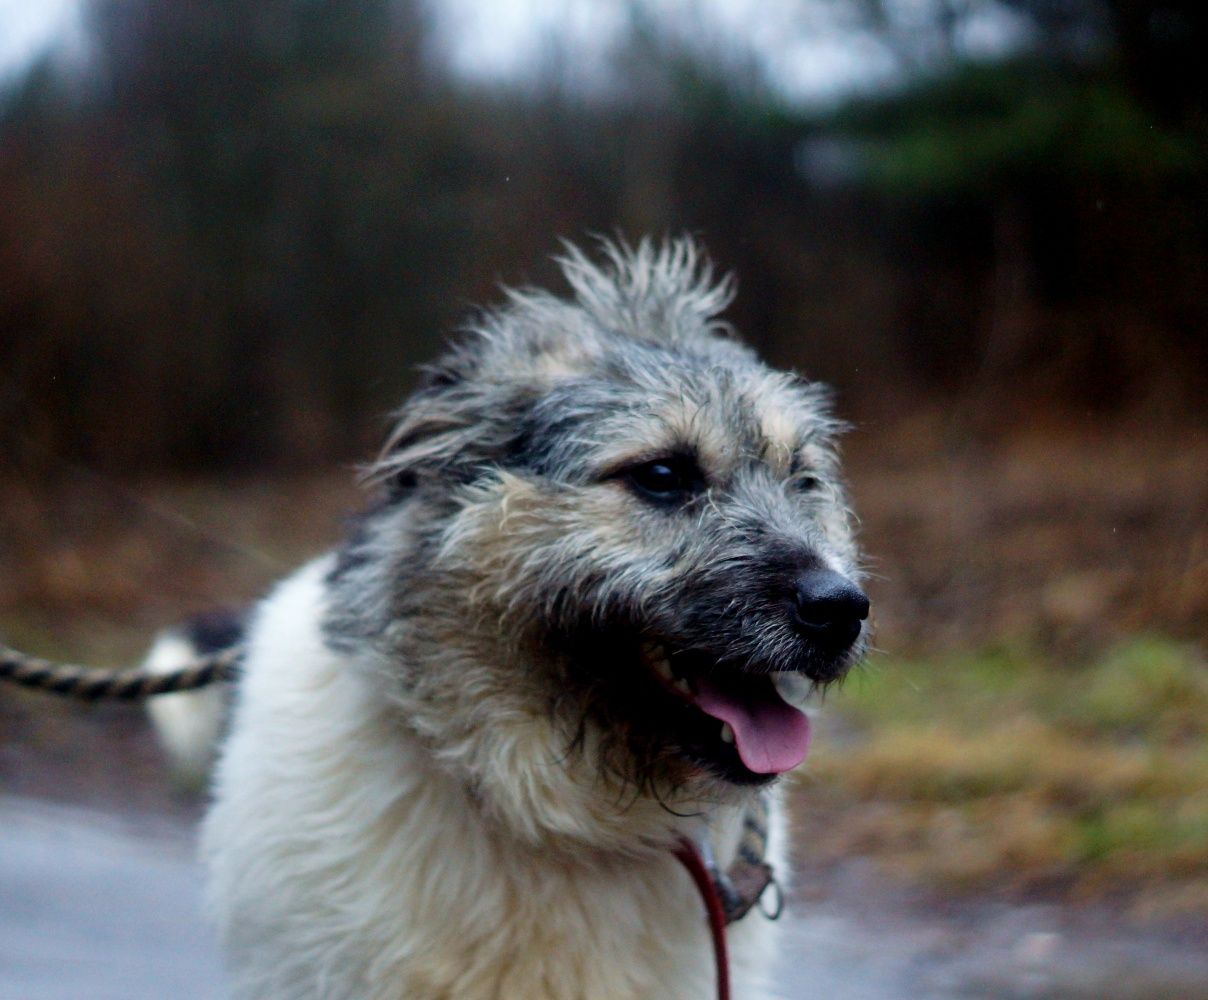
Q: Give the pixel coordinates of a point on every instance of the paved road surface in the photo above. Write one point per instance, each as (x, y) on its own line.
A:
(99, 907)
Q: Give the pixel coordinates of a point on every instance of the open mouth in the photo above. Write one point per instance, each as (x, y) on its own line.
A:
(737, 722)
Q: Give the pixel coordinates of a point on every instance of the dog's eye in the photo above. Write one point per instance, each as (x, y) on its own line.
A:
(666, 480)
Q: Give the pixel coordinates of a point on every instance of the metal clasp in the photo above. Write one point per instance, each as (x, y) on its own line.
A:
(777, 908)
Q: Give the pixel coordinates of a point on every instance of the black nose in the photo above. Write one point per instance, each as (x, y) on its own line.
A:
(829, 608)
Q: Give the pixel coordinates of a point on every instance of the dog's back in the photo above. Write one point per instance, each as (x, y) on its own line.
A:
(189, 725)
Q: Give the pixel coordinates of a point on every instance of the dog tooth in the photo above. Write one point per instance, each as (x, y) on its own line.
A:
(663, 666)
(681, 685)
(727, 733)
(792, 687)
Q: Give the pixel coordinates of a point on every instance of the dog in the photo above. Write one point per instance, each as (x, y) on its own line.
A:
(609, 558)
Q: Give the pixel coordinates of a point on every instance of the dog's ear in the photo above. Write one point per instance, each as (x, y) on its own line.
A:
(452, 429)
(430, 431)
(442, 375)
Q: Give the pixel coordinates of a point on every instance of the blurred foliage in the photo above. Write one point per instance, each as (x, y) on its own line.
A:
(989, 129)
(230, 235)
(1009, 767)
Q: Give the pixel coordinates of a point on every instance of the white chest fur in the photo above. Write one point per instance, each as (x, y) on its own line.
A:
(346, 864)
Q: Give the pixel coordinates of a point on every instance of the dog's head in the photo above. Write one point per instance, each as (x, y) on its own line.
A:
(614, 552)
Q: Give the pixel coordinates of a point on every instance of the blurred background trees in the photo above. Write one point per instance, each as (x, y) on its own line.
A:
(228, 231)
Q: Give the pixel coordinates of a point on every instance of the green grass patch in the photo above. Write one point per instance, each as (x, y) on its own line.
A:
(1007, 765)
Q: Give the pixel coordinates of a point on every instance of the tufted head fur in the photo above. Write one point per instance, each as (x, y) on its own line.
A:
(604, 530)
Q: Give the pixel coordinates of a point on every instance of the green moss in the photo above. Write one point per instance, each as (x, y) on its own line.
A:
(1151, 688)
(1097, 769)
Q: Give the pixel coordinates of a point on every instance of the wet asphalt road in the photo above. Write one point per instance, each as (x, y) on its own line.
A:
(98, 908)
(95, 906)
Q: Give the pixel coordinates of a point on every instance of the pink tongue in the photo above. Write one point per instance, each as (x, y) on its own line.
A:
(771, 735)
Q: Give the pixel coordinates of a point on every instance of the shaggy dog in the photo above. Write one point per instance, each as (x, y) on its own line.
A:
(610, 556)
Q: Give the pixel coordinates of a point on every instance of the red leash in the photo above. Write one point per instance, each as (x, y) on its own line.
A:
(690, 858)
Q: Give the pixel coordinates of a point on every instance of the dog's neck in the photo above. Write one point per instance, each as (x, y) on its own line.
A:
(414, 885)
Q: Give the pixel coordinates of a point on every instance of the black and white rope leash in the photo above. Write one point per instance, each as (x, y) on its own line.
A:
(97, 684)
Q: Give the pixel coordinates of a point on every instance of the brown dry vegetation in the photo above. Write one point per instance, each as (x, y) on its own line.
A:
(1036, 716)
(1061, 537)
